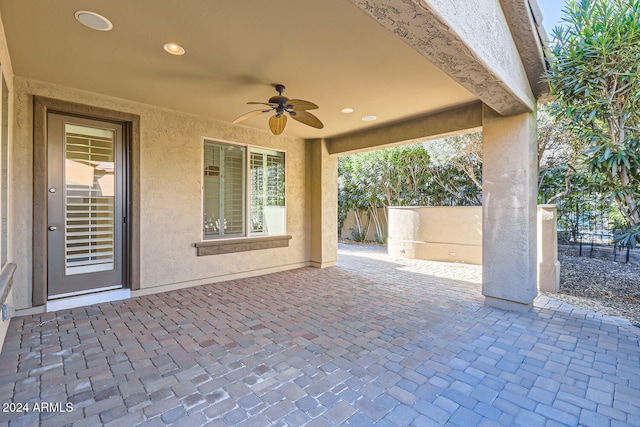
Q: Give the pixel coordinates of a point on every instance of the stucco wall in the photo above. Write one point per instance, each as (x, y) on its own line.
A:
(482, 26)
(470, 40)
(436, 233)
(6, 277)
(170, 188)
(455, 234)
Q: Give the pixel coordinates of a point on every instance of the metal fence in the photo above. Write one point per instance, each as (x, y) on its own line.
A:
(585, 225)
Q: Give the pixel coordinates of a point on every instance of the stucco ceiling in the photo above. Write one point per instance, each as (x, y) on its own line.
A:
(328, 52)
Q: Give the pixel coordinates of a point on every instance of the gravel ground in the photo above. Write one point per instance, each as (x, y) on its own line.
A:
(600, 285)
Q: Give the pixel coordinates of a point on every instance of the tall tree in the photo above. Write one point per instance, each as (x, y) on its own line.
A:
(559, 153)
(379, 179)
(595, 78)
(457, 169)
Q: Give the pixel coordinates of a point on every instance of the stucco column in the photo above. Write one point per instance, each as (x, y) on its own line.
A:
(548, 264)
(323, 183)
(509, 183)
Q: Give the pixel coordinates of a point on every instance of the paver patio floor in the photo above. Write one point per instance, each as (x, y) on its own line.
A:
(372, 341)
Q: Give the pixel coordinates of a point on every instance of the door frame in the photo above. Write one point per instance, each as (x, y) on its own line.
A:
(131, 230)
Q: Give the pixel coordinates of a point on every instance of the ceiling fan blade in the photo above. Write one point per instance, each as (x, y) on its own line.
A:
(277, 124)
(262, 103)
(307, 118)
(301, 104)
(249, 115)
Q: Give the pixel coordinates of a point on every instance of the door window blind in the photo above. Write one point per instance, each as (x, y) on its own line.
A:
(89, 199)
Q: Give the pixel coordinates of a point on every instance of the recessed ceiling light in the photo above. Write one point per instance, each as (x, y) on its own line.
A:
(369, 118)
(347, 110)
(173, 49)
(93, 20)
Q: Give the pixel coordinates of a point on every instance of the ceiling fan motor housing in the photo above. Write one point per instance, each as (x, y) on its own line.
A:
(280, 100)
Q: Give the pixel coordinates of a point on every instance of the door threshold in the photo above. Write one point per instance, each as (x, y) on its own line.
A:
(89, 299)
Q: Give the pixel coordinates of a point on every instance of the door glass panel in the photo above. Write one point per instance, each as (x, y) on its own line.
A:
(89, 182)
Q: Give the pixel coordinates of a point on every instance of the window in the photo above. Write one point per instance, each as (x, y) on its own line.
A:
(267, 192)
(224, 190)
(228, 186)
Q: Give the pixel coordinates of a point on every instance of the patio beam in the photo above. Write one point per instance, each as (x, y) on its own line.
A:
(445, 123)
(525, 18)
(470, 40)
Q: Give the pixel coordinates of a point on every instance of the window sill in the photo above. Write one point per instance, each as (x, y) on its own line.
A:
(227, 246)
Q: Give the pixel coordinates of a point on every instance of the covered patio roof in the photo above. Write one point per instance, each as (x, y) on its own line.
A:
(374, 340)
(392, 60)
(424, 68)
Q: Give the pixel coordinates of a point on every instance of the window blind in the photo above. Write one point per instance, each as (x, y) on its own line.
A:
(224, 190)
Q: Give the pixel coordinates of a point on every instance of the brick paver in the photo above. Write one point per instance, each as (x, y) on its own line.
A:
(375, 340)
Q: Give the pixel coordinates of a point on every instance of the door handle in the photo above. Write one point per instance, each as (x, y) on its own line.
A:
(52, 228)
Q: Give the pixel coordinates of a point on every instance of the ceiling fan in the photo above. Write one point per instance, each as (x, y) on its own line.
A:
(297, 109)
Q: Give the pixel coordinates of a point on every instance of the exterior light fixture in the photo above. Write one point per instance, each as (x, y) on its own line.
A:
(173, 49)
(93, 20)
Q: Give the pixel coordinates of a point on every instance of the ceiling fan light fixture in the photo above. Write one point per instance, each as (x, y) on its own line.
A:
(173, 49)
(93, 20)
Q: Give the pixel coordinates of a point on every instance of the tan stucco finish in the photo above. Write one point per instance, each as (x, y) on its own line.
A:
(454, 234)
(509, 184)
(323, 204)
(7, 274)
(548, 264)
(464, 119)
(469, 39)
(446, 233)
(524, 19)
(170, 181)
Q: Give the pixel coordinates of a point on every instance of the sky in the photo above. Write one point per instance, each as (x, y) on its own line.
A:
(551, 13)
